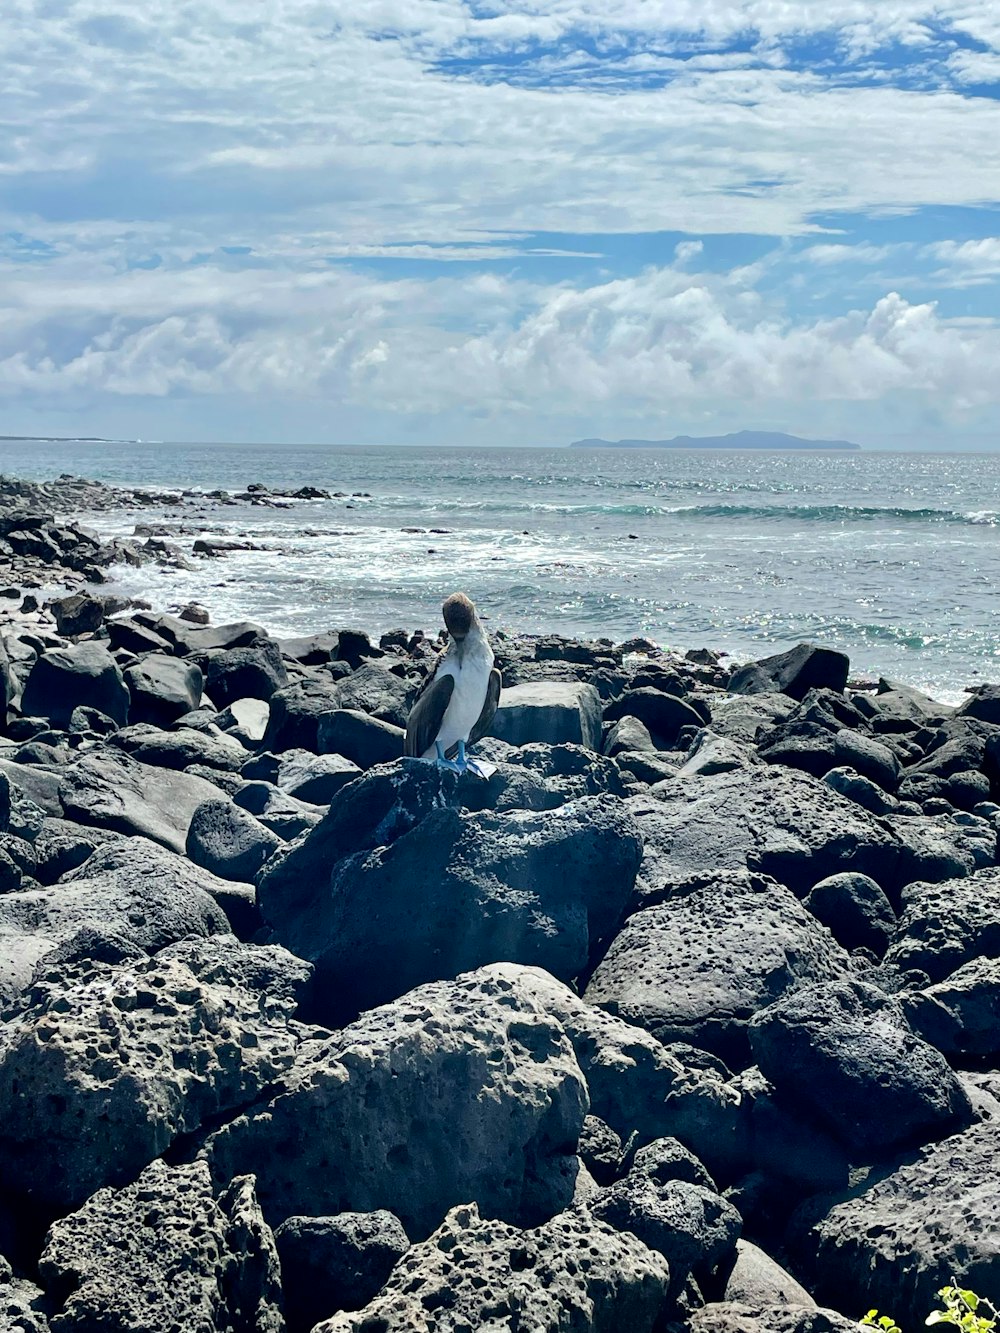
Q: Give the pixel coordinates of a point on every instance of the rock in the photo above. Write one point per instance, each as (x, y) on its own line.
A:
(376, 691)
(642, 1090)
(126, 633)
(855, 910)
(549, 711)
(23, 1306)
(698, 967)
(739, 717)
(296, 711)
(757, 1280)
(188, 639)
(246, 719)
(311, 649)
(163, 689)
(844, 1054)
(315, 778)
(806, 746)
(479, 1096)
(135, 888)
(765, 1317)
(162, 1254)
(102, 1070)
(486, 1273)
(627, 735)
(282, 814)
(228, 841)
(336, 1263)
(983, 705)
(868, 757)
(253, 672)
(454, 893)
(7, 690)
(961, 1015)
(117, 792)
(894, 1242)
(85, 675)
(692, 1227)
(194, 614)
(770, 819)
(363, 739)
(942, 848)
(667, 1159)
(663, 714)
(89, 720)
(182, 748)
(77, 614)
(945, 925)
(710, 754)
(600, 1150)
(851, 785)
(794, 672)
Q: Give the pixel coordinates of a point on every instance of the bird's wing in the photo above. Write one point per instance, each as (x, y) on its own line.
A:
(485, 719)
(427, 714)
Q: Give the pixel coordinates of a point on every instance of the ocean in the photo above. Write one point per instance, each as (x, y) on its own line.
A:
(892, 557)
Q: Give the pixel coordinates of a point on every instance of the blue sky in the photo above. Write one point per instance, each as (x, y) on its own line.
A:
(506, 223)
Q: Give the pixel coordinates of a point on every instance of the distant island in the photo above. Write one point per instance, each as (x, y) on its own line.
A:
(741, 439)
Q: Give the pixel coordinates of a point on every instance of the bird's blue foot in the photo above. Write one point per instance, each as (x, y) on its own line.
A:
(443, 762)
(477, 766)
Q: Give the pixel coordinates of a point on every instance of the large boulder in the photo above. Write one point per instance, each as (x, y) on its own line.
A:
(85, 675)
(115, 791)
(162, 689)
(181, 748)
(661, 713)
(378, 692)
(253, 672)
(487, 1274)
(855, 910)
(642, 1090)
(228, 841)
(945, 925)
(296, 710)
(894, 1242)
(455, 892)
(844, 1054)
(794, 672)
(107, 1064)
(315, 778)
(360, 737)
(771, 819)
(961, 1015)
(554, 712)
(335, 1263)
(165, 1253)
(699, 966)
(460, 1090)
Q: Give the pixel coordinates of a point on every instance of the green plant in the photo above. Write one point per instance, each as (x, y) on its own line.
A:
(962, 1308)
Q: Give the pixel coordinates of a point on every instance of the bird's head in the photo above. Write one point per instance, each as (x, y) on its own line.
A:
(459, 615)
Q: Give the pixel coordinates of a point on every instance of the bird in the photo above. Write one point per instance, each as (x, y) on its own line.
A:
(457, 703)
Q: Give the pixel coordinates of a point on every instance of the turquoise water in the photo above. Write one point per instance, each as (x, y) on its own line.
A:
(892, 557)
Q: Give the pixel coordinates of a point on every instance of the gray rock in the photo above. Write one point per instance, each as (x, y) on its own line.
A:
(692, 1227)
(181, 749)
(847, 783)
(663, 714)
(868, 757)
(295, 715)
(945, 925)
(768, 818)
(739, 717)
(359, 737)
(766, 1317)
(315, 778)
(106, 1066)
(24, 1307)
(628, 734)
(475, 1274)
(478, 1095)
(790, 1153)
(712, 754)
(115, 791)
(894, 1242)
(961, 1015)
(698, 967)
(983, 705)
(644, 1092)
(456, 892)
(162, 1254)
(162, 689)
(336, 1263)
(246, 719)
(855, 910)
(554, 712)
(228, 841)
(374, 690)
(794, 672)
(758, 1280)
(941, 848)
(252, 672)
(844, 1054)
(85, 675)
(282, 814)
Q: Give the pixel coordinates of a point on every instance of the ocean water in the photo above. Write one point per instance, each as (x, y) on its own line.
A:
(891, 557)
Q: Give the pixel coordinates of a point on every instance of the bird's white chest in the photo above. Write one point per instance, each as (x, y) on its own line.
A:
(472, 679)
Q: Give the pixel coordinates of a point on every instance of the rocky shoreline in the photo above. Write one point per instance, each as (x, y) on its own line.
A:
(687, 1018)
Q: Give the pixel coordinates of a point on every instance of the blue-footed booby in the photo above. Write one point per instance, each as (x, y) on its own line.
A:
(457, 703)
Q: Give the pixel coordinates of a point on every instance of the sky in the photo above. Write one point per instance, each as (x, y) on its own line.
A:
(451, 221)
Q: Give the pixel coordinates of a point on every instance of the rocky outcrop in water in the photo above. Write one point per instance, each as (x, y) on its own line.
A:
(685, 1018)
